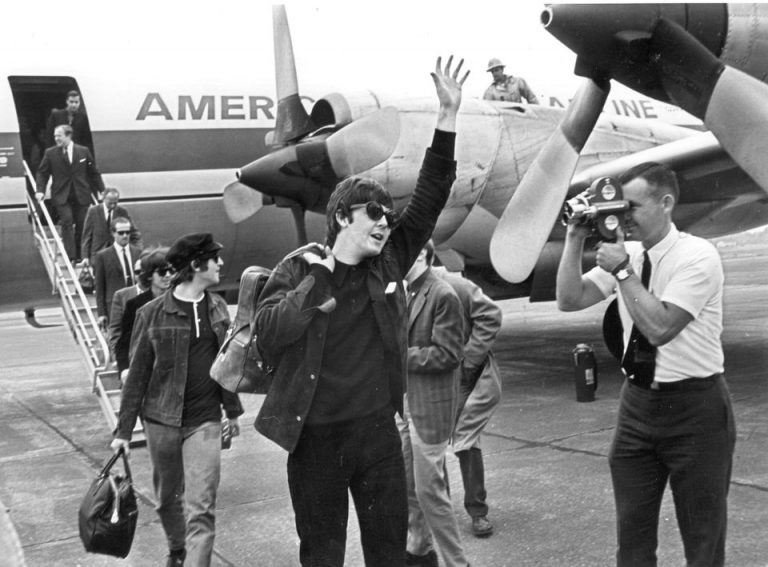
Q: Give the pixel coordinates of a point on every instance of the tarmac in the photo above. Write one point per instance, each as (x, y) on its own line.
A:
(547, 475)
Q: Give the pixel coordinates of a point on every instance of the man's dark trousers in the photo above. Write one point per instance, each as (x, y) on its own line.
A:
(71, 213)
(688, 438)
(361, 456)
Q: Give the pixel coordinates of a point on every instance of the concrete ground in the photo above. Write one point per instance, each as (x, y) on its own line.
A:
(545, 454)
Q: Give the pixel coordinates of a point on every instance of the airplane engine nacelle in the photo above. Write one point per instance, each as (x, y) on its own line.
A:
(340, 110)
(610, 36)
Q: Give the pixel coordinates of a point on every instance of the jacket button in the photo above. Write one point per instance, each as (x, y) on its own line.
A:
(311, 376)
(298, 418)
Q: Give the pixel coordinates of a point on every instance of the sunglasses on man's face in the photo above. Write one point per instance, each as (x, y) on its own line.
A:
(162, 272)
(123, 232)
(376, 210)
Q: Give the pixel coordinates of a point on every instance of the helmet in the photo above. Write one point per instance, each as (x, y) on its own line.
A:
(494, 62)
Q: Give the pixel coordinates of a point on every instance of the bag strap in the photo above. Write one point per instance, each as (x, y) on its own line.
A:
(111, 462)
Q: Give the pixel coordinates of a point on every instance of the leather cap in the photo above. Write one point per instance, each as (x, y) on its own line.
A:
(191, 247)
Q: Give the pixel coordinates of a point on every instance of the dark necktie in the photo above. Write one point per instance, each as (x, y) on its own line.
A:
(639, 360)
(66, 157)
(109, 220)
(127, 269)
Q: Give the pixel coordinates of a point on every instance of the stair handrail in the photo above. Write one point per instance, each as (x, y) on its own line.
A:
(60, 283)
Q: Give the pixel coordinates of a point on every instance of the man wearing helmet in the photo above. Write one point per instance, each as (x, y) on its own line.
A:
(506, 87)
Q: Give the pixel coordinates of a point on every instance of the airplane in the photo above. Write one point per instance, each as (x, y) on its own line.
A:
(171, 147)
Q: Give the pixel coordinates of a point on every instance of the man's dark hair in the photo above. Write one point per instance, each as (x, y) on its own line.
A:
(73, 93)
(187, 273)
(119, 220)
(660, 177)
(151, 260)
(352, 191)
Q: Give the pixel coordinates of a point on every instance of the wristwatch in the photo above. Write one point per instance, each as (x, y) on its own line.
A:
(623, 270)
(624, 273)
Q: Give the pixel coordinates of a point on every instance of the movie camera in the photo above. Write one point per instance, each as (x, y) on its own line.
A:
(601, 206)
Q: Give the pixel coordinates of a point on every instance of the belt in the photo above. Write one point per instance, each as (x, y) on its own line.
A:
(680, 385)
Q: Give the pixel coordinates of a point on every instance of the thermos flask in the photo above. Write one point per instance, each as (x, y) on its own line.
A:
(585, 372)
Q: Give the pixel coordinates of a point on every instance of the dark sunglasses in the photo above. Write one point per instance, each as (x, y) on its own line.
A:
(162, 272)
(122, 232)
(375, 211)
(214, 257)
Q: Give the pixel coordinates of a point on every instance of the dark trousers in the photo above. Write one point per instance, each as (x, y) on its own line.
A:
(473, 478)
(688, 438)
(361, 456)
(71, 213)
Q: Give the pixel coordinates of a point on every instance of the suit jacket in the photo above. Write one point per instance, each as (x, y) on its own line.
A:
(81, 130)
(482, 322)
(108, 276)
(435, 346)
(96, 232)
(116, 311)
(126, 327)
(82, 176)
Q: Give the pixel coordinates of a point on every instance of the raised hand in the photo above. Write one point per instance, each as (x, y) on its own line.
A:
(611, 254)
(448, 87)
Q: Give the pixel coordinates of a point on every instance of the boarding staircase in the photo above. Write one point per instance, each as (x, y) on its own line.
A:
(79, 313)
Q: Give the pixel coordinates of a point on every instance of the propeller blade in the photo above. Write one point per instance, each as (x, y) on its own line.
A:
(738, 117)
(527, 220)
(365, 143)
(732, 104)
(301, 225)
(292, 120)
(241, 202)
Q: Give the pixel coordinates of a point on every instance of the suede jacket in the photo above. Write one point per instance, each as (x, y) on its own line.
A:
(158, 372)
(292, 316)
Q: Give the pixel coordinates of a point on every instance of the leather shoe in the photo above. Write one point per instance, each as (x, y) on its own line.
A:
(176, 558)
(429, 559)
(482, 526)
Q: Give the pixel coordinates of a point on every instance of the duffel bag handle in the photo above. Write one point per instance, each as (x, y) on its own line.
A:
(111, 462)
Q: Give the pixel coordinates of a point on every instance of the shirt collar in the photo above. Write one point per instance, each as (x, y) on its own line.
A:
(418, 282)
(657, 251)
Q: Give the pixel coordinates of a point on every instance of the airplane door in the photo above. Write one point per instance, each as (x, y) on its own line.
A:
(34, 98)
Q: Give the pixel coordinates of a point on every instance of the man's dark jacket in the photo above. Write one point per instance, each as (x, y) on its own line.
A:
(159, 350)
(292, 317)
(81, 130)
(81, 176)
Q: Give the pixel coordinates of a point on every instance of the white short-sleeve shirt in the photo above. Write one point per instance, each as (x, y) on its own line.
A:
(687, 272)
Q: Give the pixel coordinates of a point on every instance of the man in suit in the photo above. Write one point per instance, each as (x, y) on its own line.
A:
(97, 233)
(479, 393)
(75, 176)
(113, 267)
(435, 346)
(119, 301)
(73, 115)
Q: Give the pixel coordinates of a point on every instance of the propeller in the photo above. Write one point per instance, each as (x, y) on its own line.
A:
(732, 104)
(302, 176)
(303, 172)
(527, 221)
(241, 202)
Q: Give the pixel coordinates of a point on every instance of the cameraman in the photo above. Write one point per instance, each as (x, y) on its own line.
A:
(675, 420)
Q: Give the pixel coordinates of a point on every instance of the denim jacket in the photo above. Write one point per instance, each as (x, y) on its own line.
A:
(158, 372)
(292, 316)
